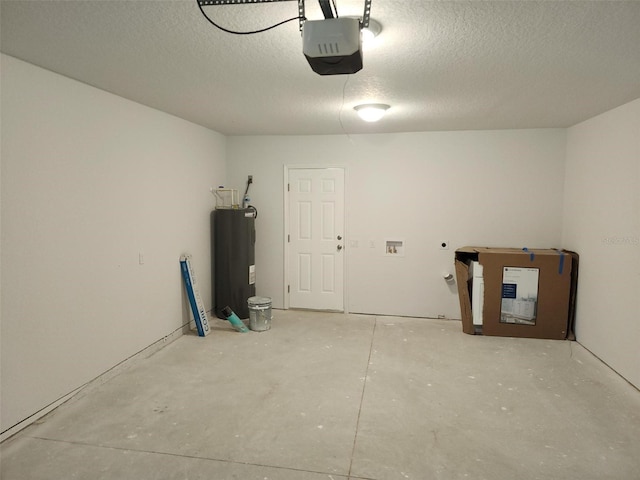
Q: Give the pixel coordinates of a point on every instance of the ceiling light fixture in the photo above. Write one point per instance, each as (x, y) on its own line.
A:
(371, 112)
(371, 31)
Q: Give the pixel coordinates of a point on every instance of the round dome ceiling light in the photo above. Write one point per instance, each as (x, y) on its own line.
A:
(371, 112)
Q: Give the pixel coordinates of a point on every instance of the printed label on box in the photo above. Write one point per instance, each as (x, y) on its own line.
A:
(519, 295)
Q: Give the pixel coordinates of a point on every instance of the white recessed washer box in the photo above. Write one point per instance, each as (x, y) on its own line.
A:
(394, 248)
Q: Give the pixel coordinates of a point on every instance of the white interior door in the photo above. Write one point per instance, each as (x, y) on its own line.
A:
(316, 238)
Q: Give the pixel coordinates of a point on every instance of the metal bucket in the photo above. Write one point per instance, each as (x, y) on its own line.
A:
(259, 313)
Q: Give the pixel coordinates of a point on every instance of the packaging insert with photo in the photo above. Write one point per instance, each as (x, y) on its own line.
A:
(519, 295)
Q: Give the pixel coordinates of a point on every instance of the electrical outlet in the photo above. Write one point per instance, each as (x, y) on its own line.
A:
(444, 245)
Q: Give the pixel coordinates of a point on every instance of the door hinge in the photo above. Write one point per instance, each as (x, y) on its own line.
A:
(288, 187)
(288, 288)
(289, 238)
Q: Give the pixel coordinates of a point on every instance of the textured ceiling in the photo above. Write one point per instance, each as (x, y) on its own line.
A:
(461, 65)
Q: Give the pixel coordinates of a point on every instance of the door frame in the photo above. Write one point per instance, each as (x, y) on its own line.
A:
(286, 248)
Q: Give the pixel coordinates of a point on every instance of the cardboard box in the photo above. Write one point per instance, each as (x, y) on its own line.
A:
(525, 292)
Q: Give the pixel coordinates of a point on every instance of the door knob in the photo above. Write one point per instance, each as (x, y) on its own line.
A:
(339, 237)
(339, 247)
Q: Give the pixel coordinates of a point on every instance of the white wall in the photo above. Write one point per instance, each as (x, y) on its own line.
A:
(491, 188)
(602, 223)
(90, 181)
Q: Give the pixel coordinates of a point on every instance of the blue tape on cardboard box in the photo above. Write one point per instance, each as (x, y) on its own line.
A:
(191, 286)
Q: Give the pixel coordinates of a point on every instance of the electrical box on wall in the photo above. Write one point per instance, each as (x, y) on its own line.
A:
(394, 248)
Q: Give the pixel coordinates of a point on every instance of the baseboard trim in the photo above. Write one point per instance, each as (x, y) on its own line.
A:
(96, 382)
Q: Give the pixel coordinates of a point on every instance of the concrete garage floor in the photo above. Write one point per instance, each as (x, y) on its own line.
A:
(333, 396)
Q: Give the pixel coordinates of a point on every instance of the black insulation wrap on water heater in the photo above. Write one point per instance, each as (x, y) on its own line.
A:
(233, 237)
